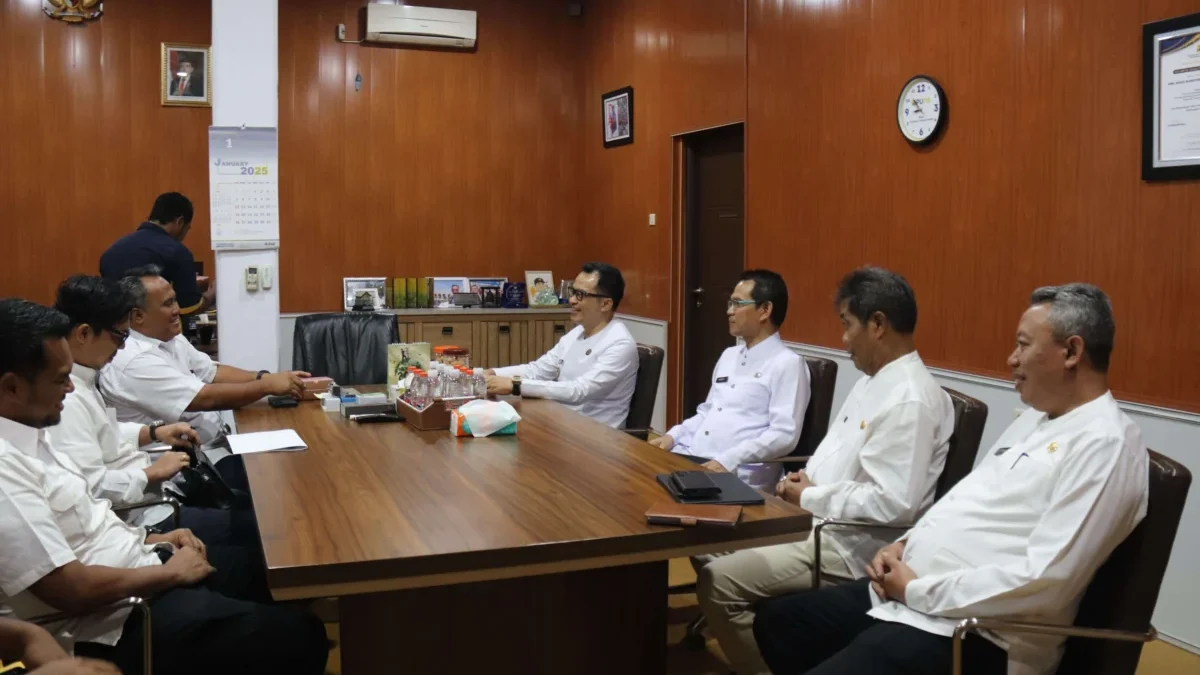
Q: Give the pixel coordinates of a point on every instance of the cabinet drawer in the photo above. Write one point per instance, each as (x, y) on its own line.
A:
(455, 333)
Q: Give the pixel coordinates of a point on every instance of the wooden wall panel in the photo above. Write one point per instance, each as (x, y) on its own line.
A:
(86, 146)
(445, 163)
(1036, 180)
(686, 63)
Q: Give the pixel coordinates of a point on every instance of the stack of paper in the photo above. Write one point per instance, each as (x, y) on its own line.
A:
(285, 440)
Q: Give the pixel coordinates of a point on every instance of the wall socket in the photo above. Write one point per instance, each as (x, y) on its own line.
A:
(341, 31)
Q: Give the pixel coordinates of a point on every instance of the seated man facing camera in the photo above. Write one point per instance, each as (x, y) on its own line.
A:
(160, 377)
(109, 452)
(755, 407)
(593, 368)
(65, 550)
(1019, 538)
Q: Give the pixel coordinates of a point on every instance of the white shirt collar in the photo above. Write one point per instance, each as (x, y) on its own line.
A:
(898, 364)
(22, 437)
(153, 342)
(769, 344)
(87, 375)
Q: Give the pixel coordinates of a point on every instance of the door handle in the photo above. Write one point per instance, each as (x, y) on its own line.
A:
(504, 329)
(447, 330)
(698, 291)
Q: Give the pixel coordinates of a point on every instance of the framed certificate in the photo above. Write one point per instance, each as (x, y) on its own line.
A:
(1171, 99)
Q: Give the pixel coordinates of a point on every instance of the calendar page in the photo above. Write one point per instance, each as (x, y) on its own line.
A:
(243, 187)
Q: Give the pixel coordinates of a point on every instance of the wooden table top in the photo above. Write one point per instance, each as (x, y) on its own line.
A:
(376, 507)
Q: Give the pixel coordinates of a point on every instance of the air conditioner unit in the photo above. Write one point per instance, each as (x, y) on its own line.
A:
(407, 25)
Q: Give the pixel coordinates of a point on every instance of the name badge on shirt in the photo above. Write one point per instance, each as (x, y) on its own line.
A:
(722, 380)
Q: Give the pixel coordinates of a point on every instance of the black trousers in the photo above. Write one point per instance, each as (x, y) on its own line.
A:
(224, 625)
(218, 527)
(828, 632)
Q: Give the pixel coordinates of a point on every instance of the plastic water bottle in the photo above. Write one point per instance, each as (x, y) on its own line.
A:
(420, 390)
(435, 382)
(480, 383)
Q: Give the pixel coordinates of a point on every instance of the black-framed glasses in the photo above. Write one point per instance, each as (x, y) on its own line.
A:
(120, 335)
(580, 295)
(738, 303)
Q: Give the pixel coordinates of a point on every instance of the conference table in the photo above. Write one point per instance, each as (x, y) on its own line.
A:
(508, 554)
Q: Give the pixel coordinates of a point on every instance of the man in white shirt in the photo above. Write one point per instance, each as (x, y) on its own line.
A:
(1020, 538)
(878, 463)
(755, 406)
(108, 451)
(65, 550)
(593, 368)
(160, 377)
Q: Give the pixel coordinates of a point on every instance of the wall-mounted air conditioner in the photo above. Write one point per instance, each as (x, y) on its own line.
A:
(404, 24)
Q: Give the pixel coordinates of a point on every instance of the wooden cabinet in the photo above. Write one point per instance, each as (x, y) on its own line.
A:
(496, 338)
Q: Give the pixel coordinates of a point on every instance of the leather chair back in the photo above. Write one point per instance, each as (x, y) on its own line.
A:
(970, 415)
(1125, 589)
(351, 347)
(645, 391)
(822, 378)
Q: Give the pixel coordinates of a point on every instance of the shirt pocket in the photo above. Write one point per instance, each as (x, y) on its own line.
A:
(753, 394)
(63, 499)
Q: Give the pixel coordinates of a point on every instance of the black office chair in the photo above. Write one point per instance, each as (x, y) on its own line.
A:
(970, 416)
(138, 605)
(645, 392)
(1114, 616)
(351, 348)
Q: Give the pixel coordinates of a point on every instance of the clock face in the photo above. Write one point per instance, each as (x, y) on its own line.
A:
(920, 110)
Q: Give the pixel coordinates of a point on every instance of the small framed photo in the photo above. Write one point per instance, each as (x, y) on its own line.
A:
(186, 75)
(444, 289)
(617, 110)
(364, 292)
(540, 286)
(477, 284)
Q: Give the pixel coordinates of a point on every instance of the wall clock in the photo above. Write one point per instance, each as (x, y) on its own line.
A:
(921, 110)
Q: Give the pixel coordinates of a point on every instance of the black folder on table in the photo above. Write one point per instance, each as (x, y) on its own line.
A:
(733, 491)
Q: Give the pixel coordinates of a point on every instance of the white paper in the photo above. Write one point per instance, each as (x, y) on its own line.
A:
(285, 440)
(1179, 99)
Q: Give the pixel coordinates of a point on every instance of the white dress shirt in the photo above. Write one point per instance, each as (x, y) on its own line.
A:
(150, 381)
(106, 450)
(1022, 535)
(592, 375)
(881, 459)
(754, 411)
(48, 519)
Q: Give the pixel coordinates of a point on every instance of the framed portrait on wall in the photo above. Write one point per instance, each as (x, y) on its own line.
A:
(617, 109)
(186, 75)
(1171, 99)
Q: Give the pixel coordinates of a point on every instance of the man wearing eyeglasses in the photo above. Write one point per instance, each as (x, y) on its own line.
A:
(109, 452)
(593, 368)
(759, 392)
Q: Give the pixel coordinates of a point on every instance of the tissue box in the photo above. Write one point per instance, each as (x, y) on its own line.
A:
(460, 428)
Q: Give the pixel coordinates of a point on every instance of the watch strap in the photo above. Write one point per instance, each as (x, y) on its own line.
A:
(260, 374)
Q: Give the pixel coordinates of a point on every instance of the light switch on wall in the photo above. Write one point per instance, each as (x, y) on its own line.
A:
(264, 277)
(653, 220)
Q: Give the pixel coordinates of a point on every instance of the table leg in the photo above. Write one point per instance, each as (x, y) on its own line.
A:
(602, 621)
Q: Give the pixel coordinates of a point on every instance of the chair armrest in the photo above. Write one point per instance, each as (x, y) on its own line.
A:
(784, 460)
(976, 625)
(816, 575)
(640, 434)
(139, 605)
(171, 501)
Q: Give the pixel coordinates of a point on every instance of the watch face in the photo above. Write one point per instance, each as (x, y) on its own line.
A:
(920, 110)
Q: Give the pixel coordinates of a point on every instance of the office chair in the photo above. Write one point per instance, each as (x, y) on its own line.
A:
(350, 348)
(1114, 616)
(137, 604)
(123, 511)
(970, 416)
(822, 380)
(645, 392)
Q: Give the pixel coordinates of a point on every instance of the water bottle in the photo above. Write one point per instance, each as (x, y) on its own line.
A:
(480, 383)
(435, 382)
(421, 391)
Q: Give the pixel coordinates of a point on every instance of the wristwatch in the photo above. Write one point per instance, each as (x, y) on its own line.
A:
(260, 374)
(516, 380)
(154, 431)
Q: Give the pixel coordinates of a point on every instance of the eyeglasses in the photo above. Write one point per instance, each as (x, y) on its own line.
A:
(738, 303)
(120, 335)
(580, 295)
